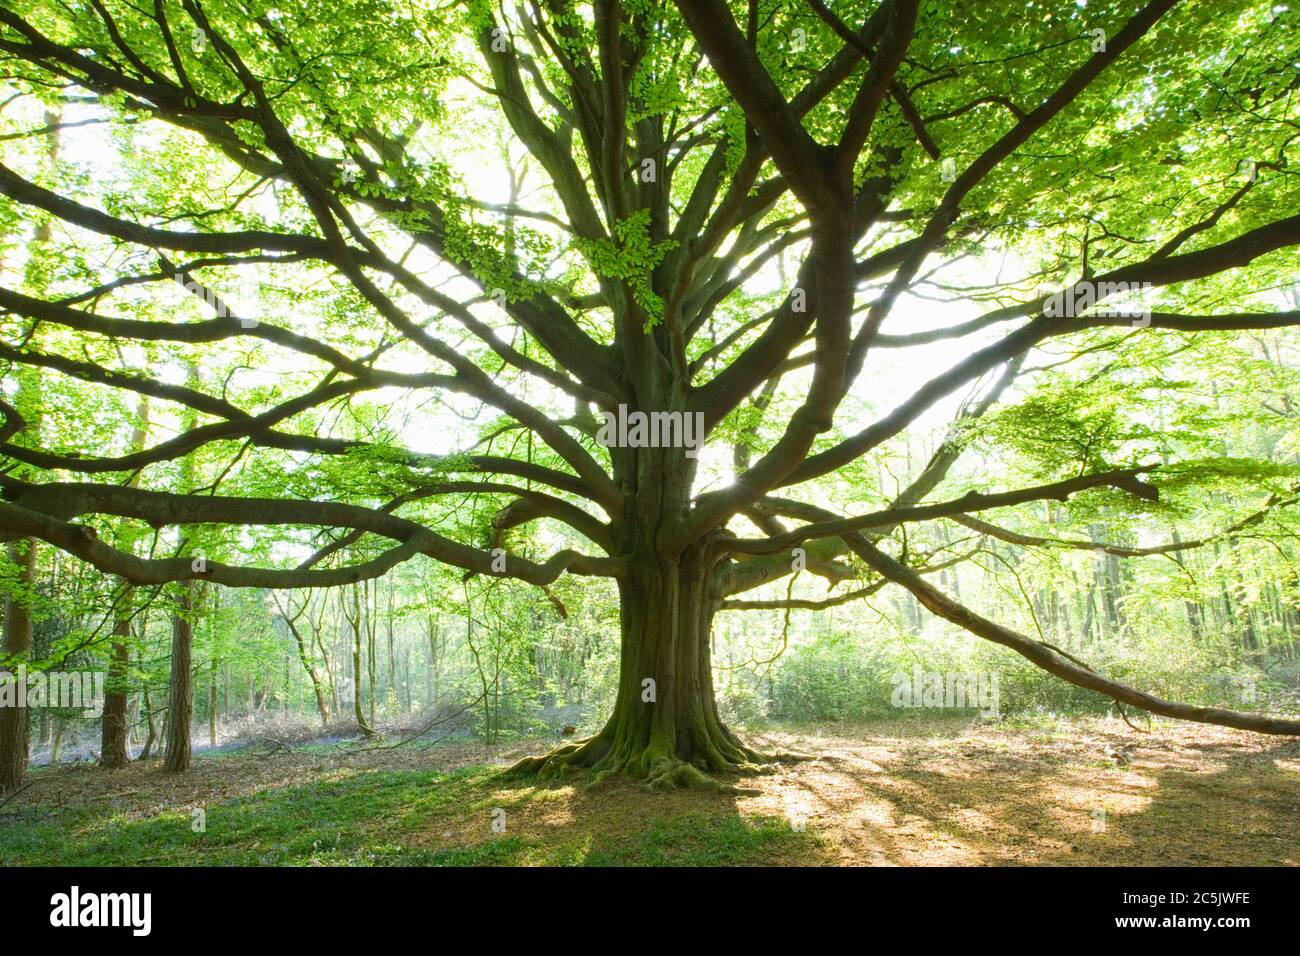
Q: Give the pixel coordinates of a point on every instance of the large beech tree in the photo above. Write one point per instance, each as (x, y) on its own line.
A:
(642, 174)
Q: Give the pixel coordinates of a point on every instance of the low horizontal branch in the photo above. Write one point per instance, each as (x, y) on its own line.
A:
(43, 511)
(1054, 662)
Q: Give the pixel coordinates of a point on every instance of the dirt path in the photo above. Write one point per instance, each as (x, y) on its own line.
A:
(905, 793)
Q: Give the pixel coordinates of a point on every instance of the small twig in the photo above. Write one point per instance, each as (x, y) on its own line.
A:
(15, 793)
(1118, 705)
(1120, 708)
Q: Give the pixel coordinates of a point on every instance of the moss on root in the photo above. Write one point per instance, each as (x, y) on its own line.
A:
(654, 764)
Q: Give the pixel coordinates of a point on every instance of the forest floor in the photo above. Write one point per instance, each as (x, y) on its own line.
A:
(902, 792)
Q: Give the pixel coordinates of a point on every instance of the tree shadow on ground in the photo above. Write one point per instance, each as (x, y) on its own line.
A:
(1088, 795)
(938, 792)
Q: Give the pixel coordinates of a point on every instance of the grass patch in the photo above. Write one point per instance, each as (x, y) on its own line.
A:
(381, 818)
(705, 841)
(353, 818)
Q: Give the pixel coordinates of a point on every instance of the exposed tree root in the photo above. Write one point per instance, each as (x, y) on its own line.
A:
(655, 765)
(558, 761)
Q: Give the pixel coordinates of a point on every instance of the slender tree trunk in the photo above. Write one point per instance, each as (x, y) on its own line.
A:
(113, 744)
(485, 690)
(112, 750)
(162, 733)
(406, 677)
(358, 710)
(212, 703)
(180, 707)
(17, 642)
(317, 627)
(371, 604)
(1190, 608)
(150, 740)
(388, 633)
(132, 720)
(355, 623)
(321, 706)
(330, 679)
(1089, 611)
(433, 661)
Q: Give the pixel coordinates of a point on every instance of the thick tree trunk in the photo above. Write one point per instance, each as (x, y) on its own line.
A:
(17, 642)
(180, 704)
(112, 741)
(665, 727)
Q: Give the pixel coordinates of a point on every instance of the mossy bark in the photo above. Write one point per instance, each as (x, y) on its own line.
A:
(665, 728)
